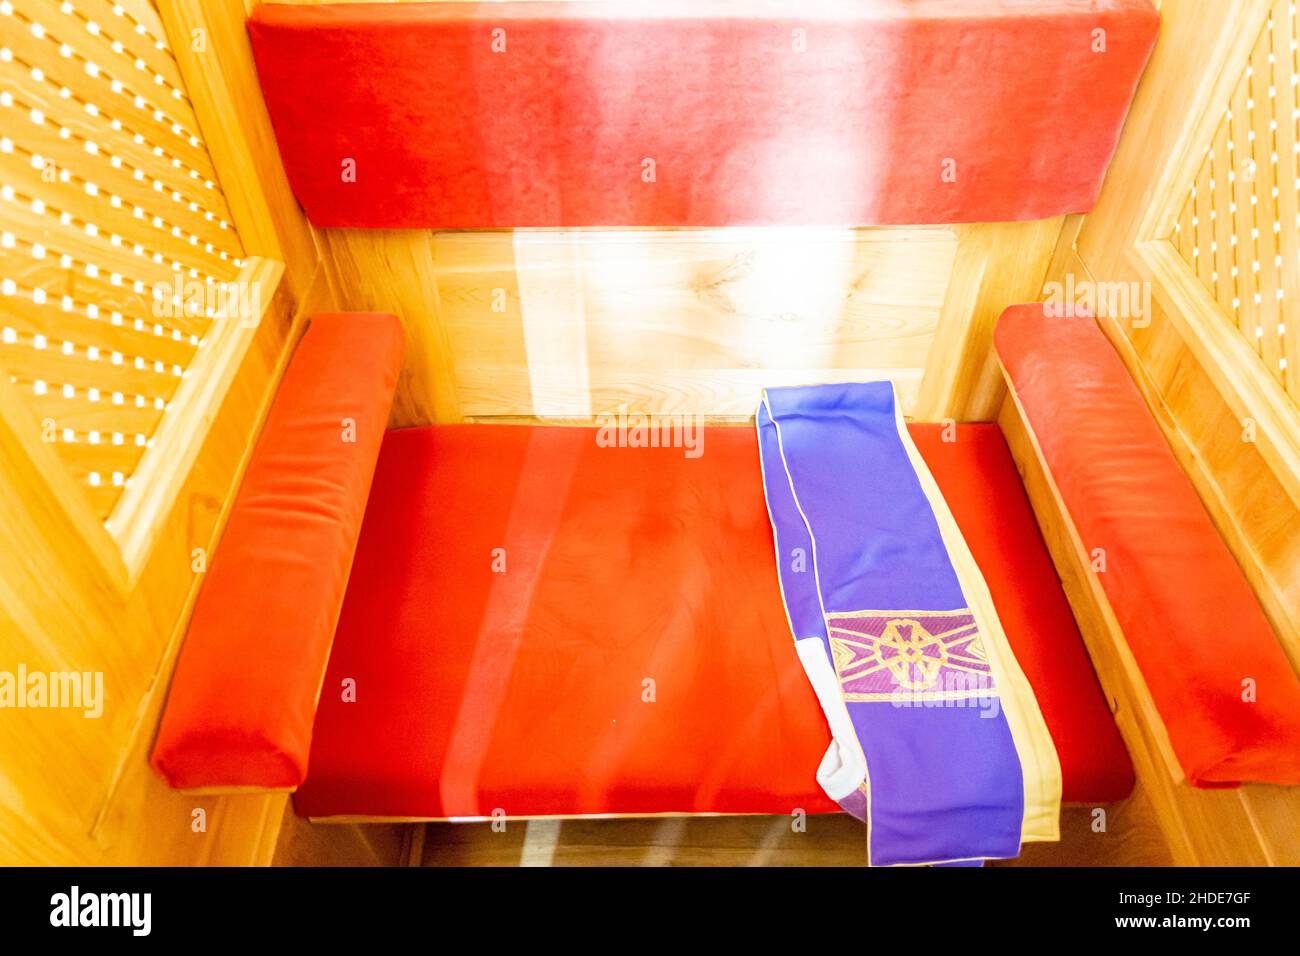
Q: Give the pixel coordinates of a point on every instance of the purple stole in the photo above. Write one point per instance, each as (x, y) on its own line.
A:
(938, 745)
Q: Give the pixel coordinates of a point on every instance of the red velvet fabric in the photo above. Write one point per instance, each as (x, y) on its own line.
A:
(243, 698)
(1186, 610)
(522, 686)
(809, 113)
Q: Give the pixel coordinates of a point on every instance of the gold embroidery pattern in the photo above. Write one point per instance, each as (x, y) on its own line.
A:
(913, 655)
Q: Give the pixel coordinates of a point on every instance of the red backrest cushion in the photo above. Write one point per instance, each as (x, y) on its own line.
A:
(243, 698)
(497, 115)
(1186, 610)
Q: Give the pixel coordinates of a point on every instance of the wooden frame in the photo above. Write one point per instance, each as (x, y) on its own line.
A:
(45, 477)
(997, 264)
(136, 520)
(1224, 355)
(121, 545)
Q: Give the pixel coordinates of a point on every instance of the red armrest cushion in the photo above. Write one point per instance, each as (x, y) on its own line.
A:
(1187, 612)
(496, 115)
(243, 698)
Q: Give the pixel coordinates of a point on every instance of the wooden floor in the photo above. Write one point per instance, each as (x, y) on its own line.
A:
(1130, 838)
(827, 840)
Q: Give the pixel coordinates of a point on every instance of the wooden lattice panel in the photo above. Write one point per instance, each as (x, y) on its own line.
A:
(108, 200)
(1239, 228)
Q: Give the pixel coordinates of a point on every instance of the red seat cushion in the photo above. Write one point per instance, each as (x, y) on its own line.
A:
(631, 655)
(497, 115)
(1186, 610)
(241, 704)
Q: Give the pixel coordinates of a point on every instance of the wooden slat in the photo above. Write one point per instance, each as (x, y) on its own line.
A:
(70, 153)
(1202, 231)
(29, 364)
(1286, 112)
(1264, 207)
(43, 372)
(143, 13)
(177, 127)
(83, 416)
(71, 196)
(70, 24)
(91, 121)
(30, 318)
(1184, 235)
(1223, 174)
(46, 228)
(117, 26)
(104, 457)
(74, 281)
(71, 71)
(1244, 309)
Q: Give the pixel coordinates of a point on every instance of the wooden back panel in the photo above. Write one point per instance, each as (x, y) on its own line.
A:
(572, 324)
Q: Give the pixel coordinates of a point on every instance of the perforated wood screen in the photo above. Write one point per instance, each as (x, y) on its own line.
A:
(116, 237)
(1239, 228)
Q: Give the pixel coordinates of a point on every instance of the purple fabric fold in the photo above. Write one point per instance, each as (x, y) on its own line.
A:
(885, 632)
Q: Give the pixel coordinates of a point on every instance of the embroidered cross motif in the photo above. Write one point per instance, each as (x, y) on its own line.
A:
(924, 654)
